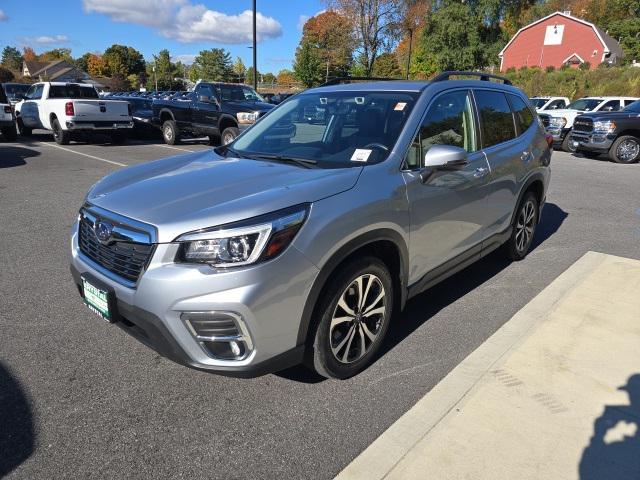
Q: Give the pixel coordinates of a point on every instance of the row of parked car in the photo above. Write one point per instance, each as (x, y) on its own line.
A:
(593, 126)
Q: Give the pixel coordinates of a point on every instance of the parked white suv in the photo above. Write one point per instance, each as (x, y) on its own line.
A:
(64, 108)
(549, 103)
(560, 122)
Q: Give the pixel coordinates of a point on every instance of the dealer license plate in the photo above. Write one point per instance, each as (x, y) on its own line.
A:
(97, 300)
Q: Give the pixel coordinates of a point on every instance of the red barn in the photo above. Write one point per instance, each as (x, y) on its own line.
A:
(559, 39)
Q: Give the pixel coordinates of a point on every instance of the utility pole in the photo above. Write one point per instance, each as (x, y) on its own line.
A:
(155, 77)
(409, 56)
(255, 50)
(326, 77)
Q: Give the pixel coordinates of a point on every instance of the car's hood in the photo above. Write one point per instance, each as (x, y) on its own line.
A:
(199, 190)
(610, 115)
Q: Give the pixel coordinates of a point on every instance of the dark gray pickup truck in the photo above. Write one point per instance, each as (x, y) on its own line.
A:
(215, 110)
(615, 133)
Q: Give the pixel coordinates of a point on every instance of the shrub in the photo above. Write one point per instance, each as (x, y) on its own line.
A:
(585, 66)
(550, 69)
(5, 75)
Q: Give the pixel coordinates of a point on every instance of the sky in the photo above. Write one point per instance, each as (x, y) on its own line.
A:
(184, 27)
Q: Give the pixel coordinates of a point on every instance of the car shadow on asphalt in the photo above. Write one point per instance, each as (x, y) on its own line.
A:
(424, 306)
(11, 156)
(17, 431)
(614, 448)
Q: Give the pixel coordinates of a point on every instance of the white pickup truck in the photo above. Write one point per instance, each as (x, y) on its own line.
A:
(65, 108)
(560, 122)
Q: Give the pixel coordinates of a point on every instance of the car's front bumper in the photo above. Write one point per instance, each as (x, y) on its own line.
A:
(595, 142)
(557, 133)
(269, 298)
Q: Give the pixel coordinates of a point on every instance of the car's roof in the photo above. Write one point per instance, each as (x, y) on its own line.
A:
(409, 86)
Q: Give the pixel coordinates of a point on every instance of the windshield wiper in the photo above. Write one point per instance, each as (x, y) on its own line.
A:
(302, 162)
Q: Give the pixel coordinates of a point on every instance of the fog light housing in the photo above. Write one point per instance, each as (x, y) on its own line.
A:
(222, 335)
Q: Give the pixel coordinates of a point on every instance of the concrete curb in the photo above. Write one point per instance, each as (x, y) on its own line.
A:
(394, 444)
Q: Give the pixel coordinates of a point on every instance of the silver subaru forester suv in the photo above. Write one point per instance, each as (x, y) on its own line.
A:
(297, 242)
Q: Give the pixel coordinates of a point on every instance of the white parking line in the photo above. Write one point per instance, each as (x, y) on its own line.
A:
(173, 148)
(84, 154)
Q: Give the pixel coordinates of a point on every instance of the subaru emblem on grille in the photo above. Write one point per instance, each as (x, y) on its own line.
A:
(103, 231)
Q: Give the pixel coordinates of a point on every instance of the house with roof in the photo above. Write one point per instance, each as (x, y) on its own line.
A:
(58, 71)
(559, 39)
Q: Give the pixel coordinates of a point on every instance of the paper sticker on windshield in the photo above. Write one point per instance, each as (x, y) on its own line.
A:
(400, 106)
(360, 155)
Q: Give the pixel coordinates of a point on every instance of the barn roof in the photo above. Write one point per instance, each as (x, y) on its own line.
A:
(610, 45)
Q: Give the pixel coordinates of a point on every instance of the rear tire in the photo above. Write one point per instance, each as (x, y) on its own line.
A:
(170, 132)
(626, 149)
(62, 137)
(10, 134)
(567, 144)
(346, 335)
(524, 228)
(24, 131)
(229, 135)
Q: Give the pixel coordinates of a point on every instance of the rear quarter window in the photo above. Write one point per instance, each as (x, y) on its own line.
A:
(496, 119)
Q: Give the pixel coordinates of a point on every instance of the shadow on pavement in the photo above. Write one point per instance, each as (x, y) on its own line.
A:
(424, 306)
(15, 156)
(17, 432)
(614, 449)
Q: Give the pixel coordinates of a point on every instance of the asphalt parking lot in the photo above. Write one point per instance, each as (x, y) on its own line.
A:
(80, 398)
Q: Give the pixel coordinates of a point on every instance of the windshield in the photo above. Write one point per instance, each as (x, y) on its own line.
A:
(336, 129)
(585, 104)
(13, 89)
(539, 102)
(632, 107)
(72, 91)
(238, 93)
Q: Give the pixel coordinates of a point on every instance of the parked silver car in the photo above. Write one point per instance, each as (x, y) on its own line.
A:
(298, 242)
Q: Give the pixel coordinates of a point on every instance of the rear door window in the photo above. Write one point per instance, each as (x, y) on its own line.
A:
(521, 112)
(496, 119)
(611, 106)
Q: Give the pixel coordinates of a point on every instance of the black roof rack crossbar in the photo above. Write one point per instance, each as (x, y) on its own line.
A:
(483, 76)
(341, 80)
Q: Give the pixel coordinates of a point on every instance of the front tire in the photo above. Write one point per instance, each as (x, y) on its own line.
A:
(567, 144)
(229, 135)
(61, 137)
(626, 149)
(523, 228)
(170, 133)
(351, 319)
(10, 134)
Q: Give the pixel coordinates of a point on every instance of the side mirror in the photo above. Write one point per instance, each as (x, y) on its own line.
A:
(443, 157)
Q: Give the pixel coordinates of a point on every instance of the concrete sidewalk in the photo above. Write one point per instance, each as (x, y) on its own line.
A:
(540, 399)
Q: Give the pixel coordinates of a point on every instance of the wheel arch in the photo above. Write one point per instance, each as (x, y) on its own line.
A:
(633, 132)
(386, 244)
(535, 184)
(226, 121)
(166, 114)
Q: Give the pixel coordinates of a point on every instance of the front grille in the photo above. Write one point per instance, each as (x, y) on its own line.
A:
(124, 259)
(545, 120)
(583, 125)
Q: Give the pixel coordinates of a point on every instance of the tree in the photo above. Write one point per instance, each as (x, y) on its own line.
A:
(164, 71)
(56, 54)
(83, 62)
(11, 58)
(386, 65)
(5, 75)
(214, 65)
(123, 60)
(375, 24)
(28, 55)
(96, 66)
(248, 79)
(285, 78)
(239, 69)
(269, 78)
(308, 65)
(331, 33)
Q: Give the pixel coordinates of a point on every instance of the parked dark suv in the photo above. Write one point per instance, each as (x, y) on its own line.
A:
(219, 111)
(297, 242)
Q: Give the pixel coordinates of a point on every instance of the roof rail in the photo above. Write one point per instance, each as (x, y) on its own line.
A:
(341, 80)
(483, 76)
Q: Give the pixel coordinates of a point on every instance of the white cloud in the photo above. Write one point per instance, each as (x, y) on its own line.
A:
(3, 16)
(187, 22)
(186, 58)
(302, 19)
(46, 40)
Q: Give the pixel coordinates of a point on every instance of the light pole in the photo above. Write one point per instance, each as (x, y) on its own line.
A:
(155, 77)
(255, 50)
(409, 56)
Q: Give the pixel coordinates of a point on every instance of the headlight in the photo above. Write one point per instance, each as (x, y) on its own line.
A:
(604, 127)
(245, 117)
(558, 121)
(238, 244)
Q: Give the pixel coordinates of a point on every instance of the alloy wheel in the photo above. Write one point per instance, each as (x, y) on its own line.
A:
(168, 133)
(628, 150)
(358, 318)
(227, 139)
(525, 226)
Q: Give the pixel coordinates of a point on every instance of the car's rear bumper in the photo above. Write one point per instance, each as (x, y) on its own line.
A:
(98, 125)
